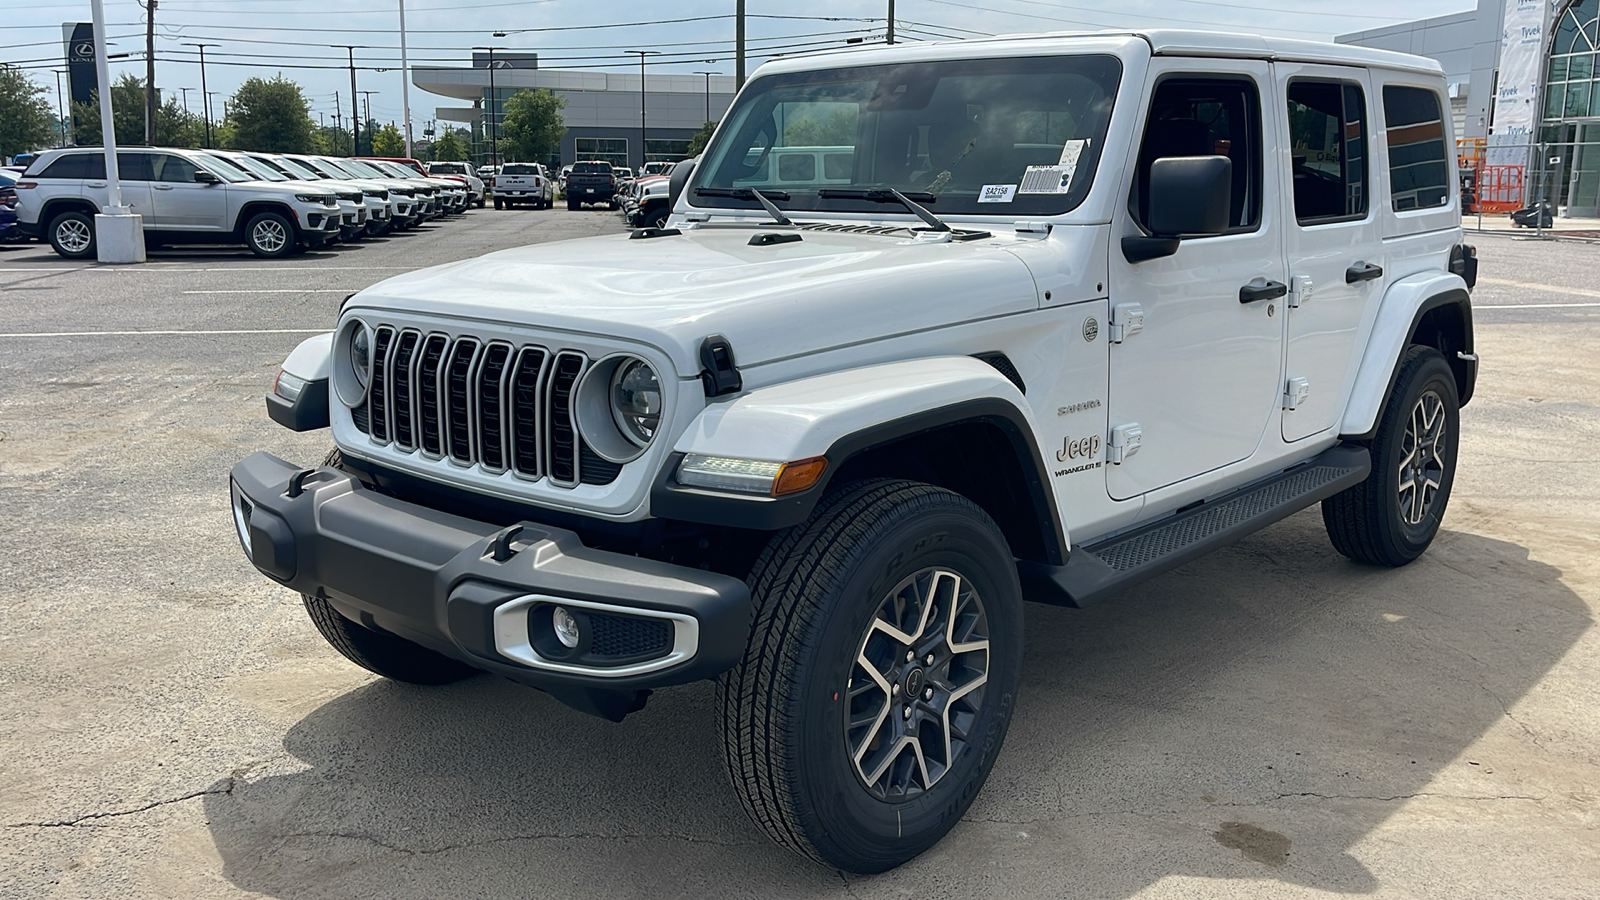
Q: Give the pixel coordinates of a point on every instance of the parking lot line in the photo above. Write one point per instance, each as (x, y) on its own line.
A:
(1542, 288)
(62, 334)
(281, 291)
(1535, 306)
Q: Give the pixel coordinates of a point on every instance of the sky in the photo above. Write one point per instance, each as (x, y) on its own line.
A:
(295, 37)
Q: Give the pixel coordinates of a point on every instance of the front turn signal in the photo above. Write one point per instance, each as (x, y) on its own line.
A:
(799, 476)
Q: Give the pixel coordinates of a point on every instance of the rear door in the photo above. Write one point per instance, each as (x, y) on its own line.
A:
(1200, 380)
(1334, 239)
(183, 204)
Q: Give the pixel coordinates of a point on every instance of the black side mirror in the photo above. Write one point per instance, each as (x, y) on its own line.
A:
(679, 180)
(1190, 196)
(204, 177)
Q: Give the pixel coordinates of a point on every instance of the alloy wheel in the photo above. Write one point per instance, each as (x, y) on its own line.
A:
(73, 235)
(269, 236)
(917, 684)
(1422, 464)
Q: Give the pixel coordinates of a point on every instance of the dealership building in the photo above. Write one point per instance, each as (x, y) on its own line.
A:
(603, 108)
(1524, 88)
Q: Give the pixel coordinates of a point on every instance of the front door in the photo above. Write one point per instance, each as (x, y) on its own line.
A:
(183, 204)
(1335, 247)
(1200, 378)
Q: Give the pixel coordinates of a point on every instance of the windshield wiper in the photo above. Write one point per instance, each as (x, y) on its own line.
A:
(889, 195)
(765, 198)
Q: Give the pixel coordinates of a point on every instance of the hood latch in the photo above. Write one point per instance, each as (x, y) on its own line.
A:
(720, 376)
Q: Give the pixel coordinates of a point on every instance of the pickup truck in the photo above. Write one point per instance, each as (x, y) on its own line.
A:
(523, 183)
(591, 182)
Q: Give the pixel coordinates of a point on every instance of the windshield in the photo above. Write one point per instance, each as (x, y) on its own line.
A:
(259, 170)
(591, 168)
(360, 170)
(222, 168)
(1013, 136)
(338, 168)
(447, 169)
(297, 169)
(519, 169)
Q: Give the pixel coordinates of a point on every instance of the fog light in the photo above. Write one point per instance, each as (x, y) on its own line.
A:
(566, 627)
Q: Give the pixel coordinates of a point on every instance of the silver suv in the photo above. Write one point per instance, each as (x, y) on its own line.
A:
(184, 197)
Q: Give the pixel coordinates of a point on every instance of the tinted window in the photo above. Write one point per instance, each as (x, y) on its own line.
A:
(136, 166)
(77, 165)
(447, 169)
(1328, 150)
(516, 169)
(1419, 171)
(1206, 117)
(591, 168)
(797, 168)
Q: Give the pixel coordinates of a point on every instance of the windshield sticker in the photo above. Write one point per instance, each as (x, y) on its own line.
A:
(997, 193)
(1047, 180)
(1070, 151)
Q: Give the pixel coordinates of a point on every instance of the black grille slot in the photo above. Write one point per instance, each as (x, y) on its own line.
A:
(401, 391)
(428, 394)
(525, 385)
(489, 382)
(628, 637)
(458, 424)
(594, 469)
(563, 435)
(378, 396)
(359, 416)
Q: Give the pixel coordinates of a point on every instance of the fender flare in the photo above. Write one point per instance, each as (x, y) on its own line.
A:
(1401, 311)
(841, 415)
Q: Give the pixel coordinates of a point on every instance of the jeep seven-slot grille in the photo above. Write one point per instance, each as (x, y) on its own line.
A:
(480, 403)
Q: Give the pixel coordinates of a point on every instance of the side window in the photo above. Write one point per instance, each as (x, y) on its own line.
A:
(176, 169)
(1328, 149)
(1198, 116)
(77, 165)
(1419, 172)
(135, 166)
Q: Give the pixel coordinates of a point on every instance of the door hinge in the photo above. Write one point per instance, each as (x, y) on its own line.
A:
(1300, 288)
(1296, 392)
(1125, 441)
(1127, 320)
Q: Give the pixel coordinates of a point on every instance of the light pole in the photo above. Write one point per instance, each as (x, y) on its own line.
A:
(205, 98)
(708, 91)
(366, 106)
(489, 117)
(642, 55)
(185, 91)
(355, 126)
(209, 102)
(61, 110)
(405, 78)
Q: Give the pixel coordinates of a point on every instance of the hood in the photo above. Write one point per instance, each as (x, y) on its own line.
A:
(771, 302)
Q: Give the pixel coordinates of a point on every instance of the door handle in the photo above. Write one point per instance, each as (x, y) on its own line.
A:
(163, 187)
(1262, 290)
(1362, 271)
(94, 184)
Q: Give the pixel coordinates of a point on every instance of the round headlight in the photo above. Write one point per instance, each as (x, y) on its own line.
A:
(361, 354)
(636, 401)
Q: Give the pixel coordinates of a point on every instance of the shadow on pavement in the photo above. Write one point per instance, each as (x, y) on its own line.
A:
(1162, 734)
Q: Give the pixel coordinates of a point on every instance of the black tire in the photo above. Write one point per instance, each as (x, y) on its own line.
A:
(270, 235)
(481, 201)
(1375, 522)
(573, 205)
(659, 218)
(72, 235)
(818, 589)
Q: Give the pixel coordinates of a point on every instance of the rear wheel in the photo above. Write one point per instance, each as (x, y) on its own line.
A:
(269, 235)
(72, 235)
(573, 204)
(659, 218)
(1392, 517)
(880, 675)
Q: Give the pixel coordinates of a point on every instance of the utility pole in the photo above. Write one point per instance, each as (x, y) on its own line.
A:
(738, 71)
(366, 110)
(355, 127)
(61, 109)
(150, 73)
(185, 91)
(338, 116)
(405, 78)
(708, 91)
(642, 55)
(891, 21)
(205, 98)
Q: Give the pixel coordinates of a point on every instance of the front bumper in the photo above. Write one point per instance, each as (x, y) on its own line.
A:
(466, 589)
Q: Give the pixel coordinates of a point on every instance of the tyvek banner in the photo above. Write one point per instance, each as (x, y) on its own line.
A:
(1516, 109)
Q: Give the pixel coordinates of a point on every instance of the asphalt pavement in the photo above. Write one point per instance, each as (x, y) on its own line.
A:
(1271, 721)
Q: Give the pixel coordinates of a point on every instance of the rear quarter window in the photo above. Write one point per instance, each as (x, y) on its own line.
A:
(76, 165)
(1419, 169)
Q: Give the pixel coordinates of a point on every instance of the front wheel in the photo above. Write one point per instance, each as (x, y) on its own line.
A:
(880, 676)
(1391, 518)
(269, 235)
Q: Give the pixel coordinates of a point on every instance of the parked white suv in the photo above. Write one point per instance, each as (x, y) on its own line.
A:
(464, 173)
(1060, 314)
(182, 196)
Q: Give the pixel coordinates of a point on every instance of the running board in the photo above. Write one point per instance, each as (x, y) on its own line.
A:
(1095, 572)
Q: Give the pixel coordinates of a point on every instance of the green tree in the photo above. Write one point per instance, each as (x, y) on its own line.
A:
(388, 141)
(270, 115)
(698, 141)
(449, 146)
(532, 124)
(175, 126)
(818, 129)
(25, 119)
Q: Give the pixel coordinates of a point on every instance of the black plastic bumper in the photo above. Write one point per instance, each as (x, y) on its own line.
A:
(434, 578)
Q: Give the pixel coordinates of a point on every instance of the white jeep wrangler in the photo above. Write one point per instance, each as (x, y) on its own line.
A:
(1085, 308)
